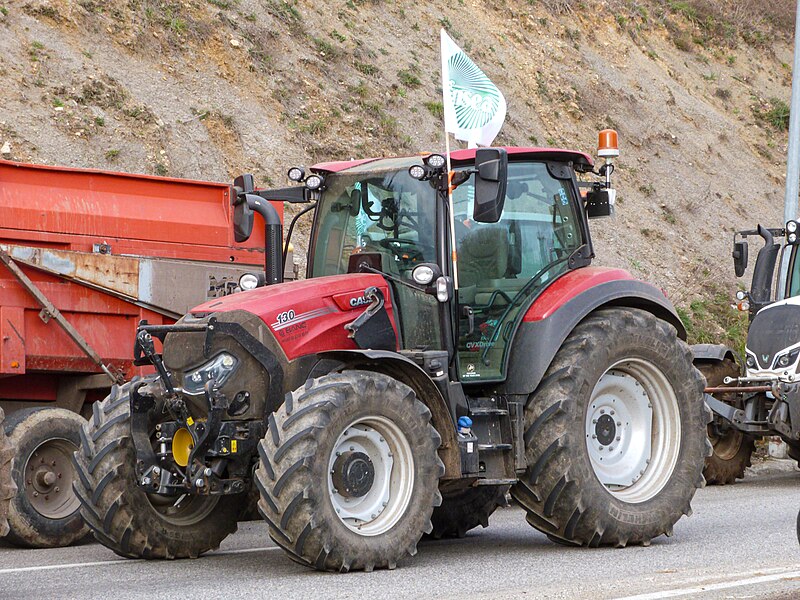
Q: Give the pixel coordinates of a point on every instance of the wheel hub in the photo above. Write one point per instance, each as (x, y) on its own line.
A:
(370, 475)
(633, 430)
(605, 430)
(353, 474)
(48, 479)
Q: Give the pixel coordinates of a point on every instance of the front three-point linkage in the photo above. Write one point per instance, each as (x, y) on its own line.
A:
(211, 438)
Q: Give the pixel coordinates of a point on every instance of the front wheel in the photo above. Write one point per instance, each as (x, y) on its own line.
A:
(349, 472)
(615, 433)
(122, 516)
(732, 448)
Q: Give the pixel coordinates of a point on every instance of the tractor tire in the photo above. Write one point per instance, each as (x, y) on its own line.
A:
(7, 487)
(465, 509)
(732, 448)
(621, 379)
(44, 512)
(122, 516)
(349, 472)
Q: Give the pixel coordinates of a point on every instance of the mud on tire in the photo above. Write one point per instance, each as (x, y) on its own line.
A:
(299, 461)
(122, 516)
(7, 487)
(561, 489)
(732, 449)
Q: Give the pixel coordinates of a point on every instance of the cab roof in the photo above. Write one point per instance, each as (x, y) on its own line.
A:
(581, 160)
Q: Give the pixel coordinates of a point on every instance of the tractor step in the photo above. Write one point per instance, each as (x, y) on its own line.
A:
(485, 411)
(494, 447)
(496, 482)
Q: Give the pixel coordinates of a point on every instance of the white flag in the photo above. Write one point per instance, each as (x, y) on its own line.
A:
(474, 109)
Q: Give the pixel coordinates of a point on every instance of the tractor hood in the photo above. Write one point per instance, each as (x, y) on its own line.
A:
(306, 316)
(774, 333)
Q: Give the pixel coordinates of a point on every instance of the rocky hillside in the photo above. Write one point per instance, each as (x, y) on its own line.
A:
(698, 91)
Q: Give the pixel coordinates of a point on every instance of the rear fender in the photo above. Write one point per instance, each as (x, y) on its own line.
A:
(407, 371)
(552, 318)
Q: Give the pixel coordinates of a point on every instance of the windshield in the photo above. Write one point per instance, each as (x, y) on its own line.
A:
(502, 265)
(379, 208)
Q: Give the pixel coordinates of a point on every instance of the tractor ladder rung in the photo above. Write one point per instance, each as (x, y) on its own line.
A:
(483, 412)
(495, 482)
(494, 447)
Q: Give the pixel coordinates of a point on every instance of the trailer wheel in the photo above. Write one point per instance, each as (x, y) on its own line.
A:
(732, 448)
(615, 434)
(7, 487)
(465, 509)
(349, 472)
(44, 512)
(125, 518)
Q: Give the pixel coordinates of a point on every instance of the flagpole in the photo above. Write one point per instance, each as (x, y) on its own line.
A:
(451, 210)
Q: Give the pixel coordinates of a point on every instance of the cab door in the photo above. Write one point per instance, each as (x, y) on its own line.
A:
(502, 265)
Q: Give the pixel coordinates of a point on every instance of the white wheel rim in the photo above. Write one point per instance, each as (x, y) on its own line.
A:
(381, 507)
(633, 430)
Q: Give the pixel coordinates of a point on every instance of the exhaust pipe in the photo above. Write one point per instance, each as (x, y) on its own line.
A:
(273, 238)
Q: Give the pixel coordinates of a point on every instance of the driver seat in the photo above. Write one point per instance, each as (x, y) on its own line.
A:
(483, 256)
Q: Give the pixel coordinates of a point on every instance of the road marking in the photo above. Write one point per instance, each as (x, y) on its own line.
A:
(122, 561)
(752, 578)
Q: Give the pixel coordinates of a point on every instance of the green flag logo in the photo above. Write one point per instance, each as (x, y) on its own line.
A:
(474, 97)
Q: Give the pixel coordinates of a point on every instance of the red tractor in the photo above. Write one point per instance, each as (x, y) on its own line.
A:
(389, 395)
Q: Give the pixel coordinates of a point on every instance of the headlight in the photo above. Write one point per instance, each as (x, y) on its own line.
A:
(220, 368)
(248, 281)
(314, 182)
(751, 361)
(789, 358)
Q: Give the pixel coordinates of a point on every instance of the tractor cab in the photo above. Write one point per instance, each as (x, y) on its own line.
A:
(518, 224)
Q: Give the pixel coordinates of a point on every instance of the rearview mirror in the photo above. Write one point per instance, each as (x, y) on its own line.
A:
(491, 166)
(242, 221)
(242, 213)
(598, 204)
(739, 257)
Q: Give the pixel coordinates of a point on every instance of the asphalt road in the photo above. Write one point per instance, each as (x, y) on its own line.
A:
(740, 543)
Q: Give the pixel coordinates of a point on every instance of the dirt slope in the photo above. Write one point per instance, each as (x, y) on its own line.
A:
(212, 88)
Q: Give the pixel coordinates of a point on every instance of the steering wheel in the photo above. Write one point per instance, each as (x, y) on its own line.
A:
(406, 250)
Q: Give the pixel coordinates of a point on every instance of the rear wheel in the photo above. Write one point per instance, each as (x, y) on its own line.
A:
(615, 433)
(125, 518)
(465, 509)
(7, 487)
(44, 513)
(349, 472)
(732, 448)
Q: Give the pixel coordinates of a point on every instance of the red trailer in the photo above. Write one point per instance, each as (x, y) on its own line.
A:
(85, 255)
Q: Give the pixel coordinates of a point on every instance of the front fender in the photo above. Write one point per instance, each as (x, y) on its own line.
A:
(555, 313)
(714, 353)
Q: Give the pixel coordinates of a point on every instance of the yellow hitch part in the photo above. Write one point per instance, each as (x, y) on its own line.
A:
(182, 444)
